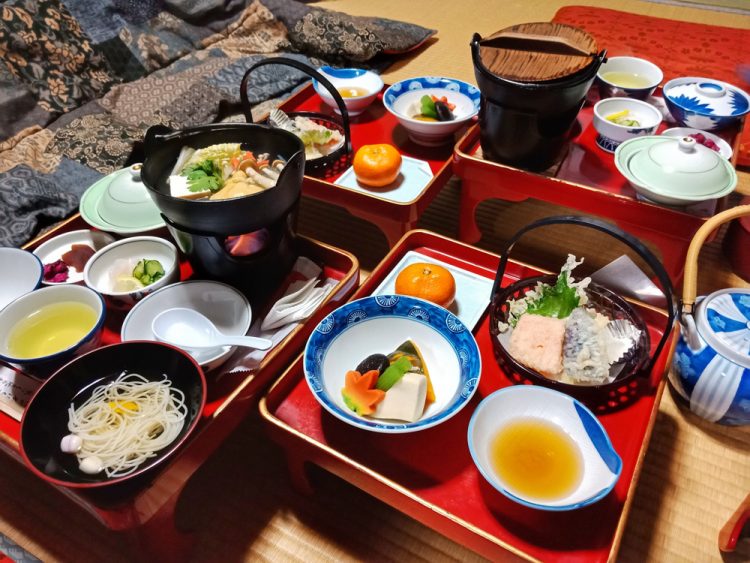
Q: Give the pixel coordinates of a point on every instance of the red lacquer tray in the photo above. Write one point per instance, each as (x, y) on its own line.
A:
(430, 476)
(586, 179)
(146, 507)
(376, 125)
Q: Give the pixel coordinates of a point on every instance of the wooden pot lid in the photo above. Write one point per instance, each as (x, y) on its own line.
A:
(537, 52)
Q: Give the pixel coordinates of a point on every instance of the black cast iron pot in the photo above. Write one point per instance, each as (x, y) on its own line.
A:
(228, 216)
(526, 124)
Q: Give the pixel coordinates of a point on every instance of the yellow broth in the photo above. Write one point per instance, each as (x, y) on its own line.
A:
(51, 329)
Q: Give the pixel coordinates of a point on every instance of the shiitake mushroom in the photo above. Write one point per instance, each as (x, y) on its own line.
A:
(373, 361)
(444, 113)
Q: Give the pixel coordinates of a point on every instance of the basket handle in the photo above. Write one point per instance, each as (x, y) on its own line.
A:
(620, 235)
(310, 71)
(690, 285)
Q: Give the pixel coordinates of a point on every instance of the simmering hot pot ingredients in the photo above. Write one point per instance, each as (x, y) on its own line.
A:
(377, 165)
(557, 332)
(222, 171)
(396, 386)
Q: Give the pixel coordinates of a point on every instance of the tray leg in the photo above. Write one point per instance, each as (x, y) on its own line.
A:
(474, 193)
(468, 231)
(159, 539)
(393, 229)
(297, 468)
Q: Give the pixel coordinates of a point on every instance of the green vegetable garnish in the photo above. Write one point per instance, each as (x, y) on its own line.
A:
(148, 271)
(428, 107)
(393, 373)
(203, 176)
(556, 301)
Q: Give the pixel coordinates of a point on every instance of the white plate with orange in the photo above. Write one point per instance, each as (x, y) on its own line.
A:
(472, 290)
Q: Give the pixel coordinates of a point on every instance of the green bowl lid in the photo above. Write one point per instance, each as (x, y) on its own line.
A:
(120, 203)
(680, 167)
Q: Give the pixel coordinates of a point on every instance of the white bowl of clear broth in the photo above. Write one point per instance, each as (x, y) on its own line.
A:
(42, 330)
(628, 77)
(542, 448)
(358, 88)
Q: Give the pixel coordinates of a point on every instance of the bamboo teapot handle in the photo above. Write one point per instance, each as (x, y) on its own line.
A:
(690, 285)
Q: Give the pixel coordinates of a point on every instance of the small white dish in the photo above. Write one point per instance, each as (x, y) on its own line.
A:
(611, 134)
(120, 258)
(414, 177)
(380, 324)
(601, 466)
(346, 78)
(52, 250)
(401, 97)
(472, 290)
(227, 308)
(724, 149)
(120, 203)
(24, 273)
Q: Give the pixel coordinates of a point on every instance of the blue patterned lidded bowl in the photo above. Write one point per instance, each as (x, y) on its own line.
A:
(381, 324)
(711, 367)
(704, 103)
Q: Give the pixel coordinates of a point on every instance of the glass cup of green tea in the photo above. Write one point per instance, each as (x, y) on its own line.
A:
(628, 77)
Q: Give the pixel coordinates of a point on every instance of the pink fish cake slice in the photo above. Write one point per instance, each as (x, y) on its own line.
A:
(537, 343)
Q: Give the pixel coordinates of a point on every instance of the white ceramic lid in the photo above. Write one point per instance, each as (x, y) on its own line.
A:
(723, 320)
(681, 166)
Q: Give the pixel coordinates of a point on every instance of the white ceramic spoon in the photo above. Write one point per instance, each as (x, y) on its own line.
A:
(187, 328)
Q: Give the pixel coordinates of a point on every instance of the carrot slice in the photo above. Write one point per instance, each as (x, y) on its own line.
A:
(358, 392)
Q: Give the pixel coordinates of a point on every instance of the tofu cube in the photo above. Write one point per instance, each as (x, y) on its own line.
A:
(405, 400)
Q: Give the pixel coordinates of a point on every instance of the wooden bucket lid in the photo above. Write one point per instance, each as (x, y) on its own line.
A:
(537, 52)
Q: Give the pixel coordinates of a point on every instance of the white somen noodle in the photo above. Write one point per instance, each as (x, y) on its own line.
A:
(128, 421)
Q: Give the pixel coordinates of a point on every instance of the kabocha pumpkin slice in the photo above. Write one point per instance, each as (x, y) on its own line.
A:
(410, 350)
(359, 393)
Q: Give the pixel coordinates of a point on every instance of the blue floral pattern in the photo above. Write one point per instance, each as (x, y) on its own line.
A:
(469, 90)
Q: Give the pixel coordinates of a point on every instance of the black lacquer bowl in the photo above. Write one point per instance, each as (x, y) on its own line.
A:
(45, 419)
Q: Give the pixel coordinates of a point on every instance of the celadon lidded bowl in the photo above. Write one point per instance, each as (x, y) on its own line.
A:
(674, 170)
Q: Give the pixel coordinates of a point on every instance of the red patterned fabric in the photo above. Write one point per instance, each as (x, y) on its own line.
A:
(678, 48)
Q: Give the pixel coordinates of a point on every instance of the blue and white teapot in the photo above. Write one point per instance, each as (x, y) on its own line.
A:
(711, 365)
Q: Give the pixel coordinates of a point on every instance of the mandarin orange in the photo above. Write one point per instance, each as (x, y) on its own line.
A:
(427, 281)
(377, 165)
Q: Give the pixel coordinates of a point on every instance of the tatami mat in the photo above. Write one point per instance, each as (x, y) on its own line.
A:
(240, 502)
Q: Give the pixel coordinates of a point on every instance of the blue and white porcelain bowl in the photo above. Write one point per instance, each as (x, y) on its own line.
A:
(601, 466)
(379, 325)
(711, 365)
(400, 98)
(704, 103)
(344, 78)
(611, 134)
